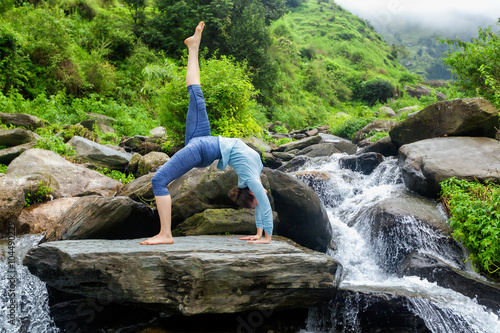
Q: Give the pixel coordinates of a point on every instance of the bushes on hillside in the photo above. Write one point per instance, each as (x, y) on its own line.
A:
(376, 90)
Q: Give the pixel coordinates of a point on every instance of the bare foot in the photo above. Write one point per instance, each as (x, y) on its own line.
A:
(158, 239)
(194, 41)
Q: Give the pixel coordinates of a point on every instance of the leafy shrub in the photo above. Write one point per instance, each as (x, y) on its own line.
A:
(228, 96)
(475, 219)
(376, 90)
(375, 136)
(52, 142)
(3, 168)
(348, 127)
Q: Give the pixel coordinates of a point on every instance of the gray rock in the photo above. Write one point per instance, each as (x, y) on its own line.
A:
(151, 162)
(424, 164)
(99, 154)
(419, 91)
(269, 160)
(459, 117)
(378, 125)
(446, 276)
(300, 144)
(312, 132)
(133, 164)
(257, 144)
(196, 275)
(384, 146)
(140, 189)
(283, 156)
(387, 112)
(341, 144)
(9, 154)
(109, 218)
(63, 177)
(295, 164)
(158, 132)
(404, 224)
(365, 163)
(102, 122)
(22, 120)
(302, 217)
(15, 136)
(11, 203)
(320, 149)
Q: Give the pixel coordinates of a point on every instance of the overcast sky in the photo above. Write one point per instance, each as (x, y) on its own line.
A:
(438, 12)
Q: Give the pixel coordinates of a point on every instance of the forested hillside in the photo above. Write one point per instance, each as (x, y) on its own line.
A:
(296, 61)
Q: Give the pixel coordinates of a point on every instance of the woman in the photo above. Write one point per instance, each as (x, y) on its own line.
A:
(201, 149)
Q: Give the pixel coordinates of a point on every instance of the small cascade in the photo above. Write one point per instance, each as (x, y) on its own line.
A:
(23, 297)
(370, 255)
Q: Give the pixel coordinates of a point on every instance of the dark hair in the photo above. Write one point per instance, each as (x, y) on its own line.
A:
(242, 196)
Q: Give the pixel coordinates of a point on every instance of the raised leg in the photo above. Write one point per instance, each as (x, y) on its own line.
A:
(193, 67)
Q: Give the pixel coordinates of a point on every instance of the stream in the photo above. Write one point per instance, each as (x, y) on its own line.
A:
(368, 266)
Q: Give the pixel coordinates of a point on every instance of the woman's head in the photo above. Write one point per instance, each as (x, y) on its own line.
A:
(243, 197)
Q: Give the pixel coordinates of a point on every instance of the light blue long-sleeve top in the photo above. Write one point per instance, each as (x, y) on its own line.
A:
(247, 164)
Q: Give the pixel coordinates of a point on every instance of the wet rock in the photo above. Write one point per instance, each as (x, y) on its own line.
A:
(88, 150)
(42, 217)
(341, 144)
(424, 164)
(409, 223)
(364, 163)
(105, 218)
(460, 117)
(295, 164)
(302, 217)
(198, 274)
(22, 120)
(62, 176)
(446, 276)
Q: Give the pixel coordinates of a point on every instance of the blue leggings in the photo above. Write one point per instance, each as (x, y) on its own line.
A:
(200, 150)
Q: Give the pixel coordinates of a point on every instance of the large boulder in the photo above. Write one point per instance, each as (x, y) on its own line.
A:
(384, 146)
(11, 203)
(62, 176)
(196, 275)
(9, 154)
(22, 120)
(102, 122)
(96, 153)
(407, 222)
(302, 217)
(108, 218)
(459, 117)
(424, 164)
(319, 150)
(140, 189)
(42, 217)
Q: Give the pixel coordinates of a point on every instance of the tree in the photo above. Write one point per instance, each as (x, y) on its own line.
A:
(476, 64)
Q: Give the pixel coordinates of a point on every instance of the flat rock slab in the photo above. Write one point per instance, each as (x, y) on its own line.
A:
(197, 274)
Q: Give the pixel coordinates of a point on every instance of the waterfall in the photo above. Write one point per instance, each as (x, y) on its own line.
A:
(23, 297)
(369, 262)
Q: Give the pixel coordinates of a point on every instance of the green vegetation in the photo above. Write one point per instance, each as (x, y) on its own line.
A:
(475, 219)
(37, 194)
(299, 62)
(117, 175)
(476, 65)
(3, 168)
(375, 136)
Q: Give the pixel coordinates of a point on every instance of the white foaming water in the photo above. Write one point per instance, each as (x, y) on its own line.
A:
(23, 297)
(442, 310)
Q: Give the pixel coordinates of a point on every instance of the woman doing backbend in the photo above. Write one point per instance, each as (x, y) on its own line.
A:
(200, 150)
